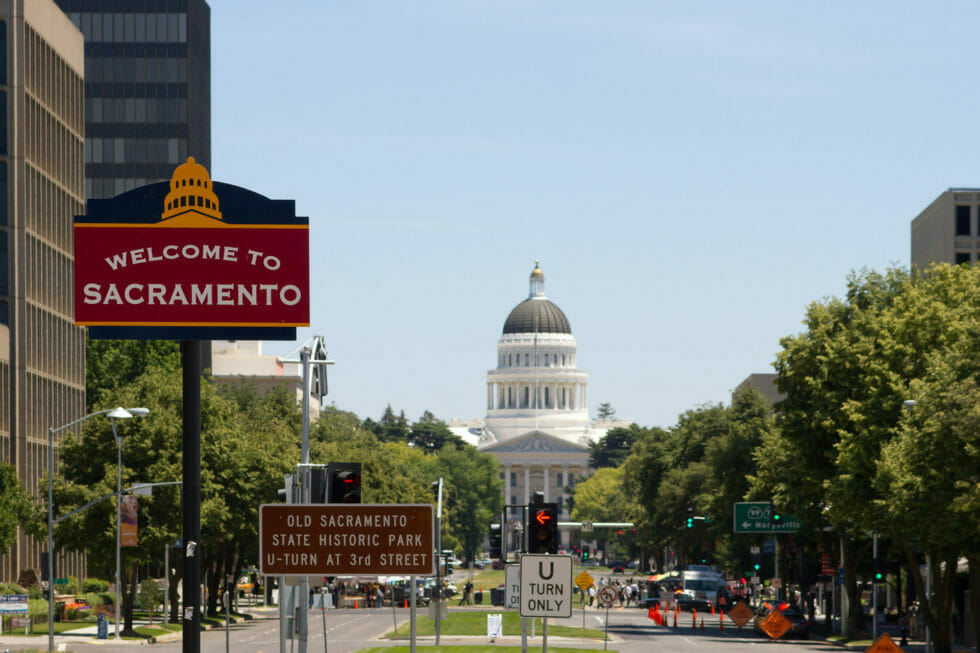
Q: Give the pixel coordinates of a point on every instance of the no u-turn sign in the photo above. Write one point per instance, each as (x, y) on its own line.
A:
(546, 586)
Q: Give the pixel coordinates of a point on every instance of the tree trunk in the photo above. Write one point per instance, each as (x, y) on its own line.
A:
(178, 570)
(974, 577)
(129, 601)
(853, 622)
(937, 610)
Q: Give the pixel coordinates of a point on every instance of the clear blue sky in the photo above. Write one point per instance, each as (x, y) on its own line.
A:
(690, 174)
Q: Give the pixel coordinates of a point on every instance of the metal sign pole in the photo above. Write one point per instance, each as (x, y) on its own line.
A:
(544, 634)
(411, 613)
(191, 360)
(605, 637)
(523, 634)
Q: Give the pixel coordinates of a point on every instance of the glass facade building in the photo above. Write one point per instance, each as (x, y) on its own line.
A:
(147, 89)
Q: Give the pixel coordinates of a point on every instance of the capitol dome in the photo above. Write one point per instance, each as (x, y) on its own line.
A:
(537, 314)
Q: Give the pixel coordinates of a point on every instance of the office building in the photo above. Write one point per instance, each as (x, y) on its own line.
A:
(948, 230)
(42, 352)
(147, 89)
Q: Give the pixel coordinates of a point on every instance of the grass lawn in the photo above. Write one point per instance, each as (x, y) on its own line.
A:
(41, 628)
(157, 630)
(469, 649)
(475, 623)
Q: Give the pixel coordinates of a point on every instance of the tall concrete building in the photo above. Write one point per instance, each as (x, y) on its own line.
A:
(948, 230)
(42, 353)
(147, 89)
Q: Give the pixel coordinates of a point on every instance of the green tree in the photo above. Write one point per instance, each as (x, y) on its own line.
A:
(19, 509)
(110, 364)
(612, 448)
(606, 411)
(473, 494)
(845, 379)
(431, 435)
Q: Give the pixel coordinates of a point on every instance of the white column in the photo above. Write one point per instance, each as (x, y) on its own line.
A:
(489, 395)
(547, 482)
(564, 484)
(527, 483)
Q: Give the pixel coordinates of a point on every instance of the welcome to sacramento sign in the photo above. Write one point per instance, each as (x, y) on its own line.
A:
(192, 259)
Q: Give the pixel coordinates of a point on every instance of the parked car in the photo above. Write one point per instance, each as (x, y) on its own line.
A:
(617, 567)
(482, 563)
(687, 601)
(799, 626)
(590, 563)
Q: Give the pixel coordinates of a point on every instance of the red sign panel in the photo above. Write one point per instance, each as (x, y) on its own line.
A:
(338, 539)
(149, 275)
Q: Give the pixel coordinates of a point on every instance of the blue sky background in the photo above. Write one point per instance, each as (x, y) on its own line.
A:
(690, 174)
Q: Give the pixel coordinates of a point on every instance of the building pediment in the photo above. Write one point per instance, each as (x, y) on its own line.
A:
(535, 442)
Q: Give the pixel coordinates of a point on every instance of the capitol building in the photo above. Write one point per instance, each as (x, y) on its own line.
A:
(537, 421)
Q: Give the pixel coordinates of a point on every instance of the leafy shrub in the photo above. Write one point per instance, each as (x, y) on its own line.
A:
(35, 593)
(73, 586)
(71, 614)
(95, 599)
(150, 594)
(11, 588)
(95, 585)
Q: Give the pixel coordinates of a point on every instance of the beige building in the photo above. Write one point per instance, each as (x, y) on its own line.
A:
(948, 230)
(42, 353)
(242, 362)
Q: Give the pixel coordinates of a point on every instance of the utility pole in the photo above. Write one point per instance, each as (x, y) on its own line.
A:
(313, 352)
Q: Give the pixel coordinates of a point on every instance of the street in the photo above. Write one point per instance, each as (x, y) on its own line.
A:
(350, 630)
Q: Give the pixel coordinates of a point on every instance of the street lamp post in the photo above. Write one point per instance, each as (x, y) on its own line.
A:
(114, 414)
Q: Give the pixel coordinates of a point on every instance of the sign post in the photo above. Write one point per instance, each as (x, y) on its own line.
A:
(546, 589)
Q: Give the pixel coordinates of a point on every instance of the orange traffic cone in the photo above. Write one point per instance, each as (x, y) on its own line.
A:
(355, 604)
(712, 608)
(675, 617)
(694, 619)
(406, 603)
(721, 621)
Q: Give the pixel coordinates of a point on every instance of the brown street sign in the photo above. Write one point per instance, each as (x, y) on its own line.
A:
(337, 539)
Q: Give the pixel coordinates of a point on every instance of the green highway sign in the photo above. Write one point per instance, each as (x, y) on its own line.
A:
(60, 581)
(754, 517)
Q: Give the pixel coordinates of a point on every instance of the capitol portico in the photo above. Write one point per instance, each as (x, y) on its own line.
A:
(537, 422)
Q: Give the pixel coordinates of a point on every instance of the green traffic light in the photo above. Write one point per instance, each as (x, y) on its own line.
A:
(757, 567)
(776, 517)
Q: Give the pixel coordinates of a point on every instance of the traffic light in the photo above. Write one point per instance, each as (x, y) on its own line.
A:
(585, 551)
(774, 516)
(344, 482)
(877, 575)
(690, 517)
(495, 552)
(755, 562)
(542, 528)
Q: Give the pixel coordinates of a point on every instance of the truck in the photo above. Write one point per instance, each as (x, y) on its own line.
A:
(699, 587)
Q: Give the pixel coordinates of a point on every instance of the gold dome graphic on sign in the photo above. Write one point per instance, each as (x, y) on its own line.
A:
(191, 201)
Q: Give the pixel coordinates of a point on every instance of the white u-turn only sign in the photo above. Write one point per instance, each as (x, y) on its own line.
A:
(546, 586)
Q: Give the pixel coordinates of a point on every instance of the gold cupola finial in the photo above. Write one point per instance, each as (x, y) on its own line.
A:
(191, 191)
(537, 281)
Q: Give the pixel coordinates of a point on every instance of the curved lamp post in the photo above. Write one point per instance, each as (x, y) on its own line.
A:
(113, 414)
